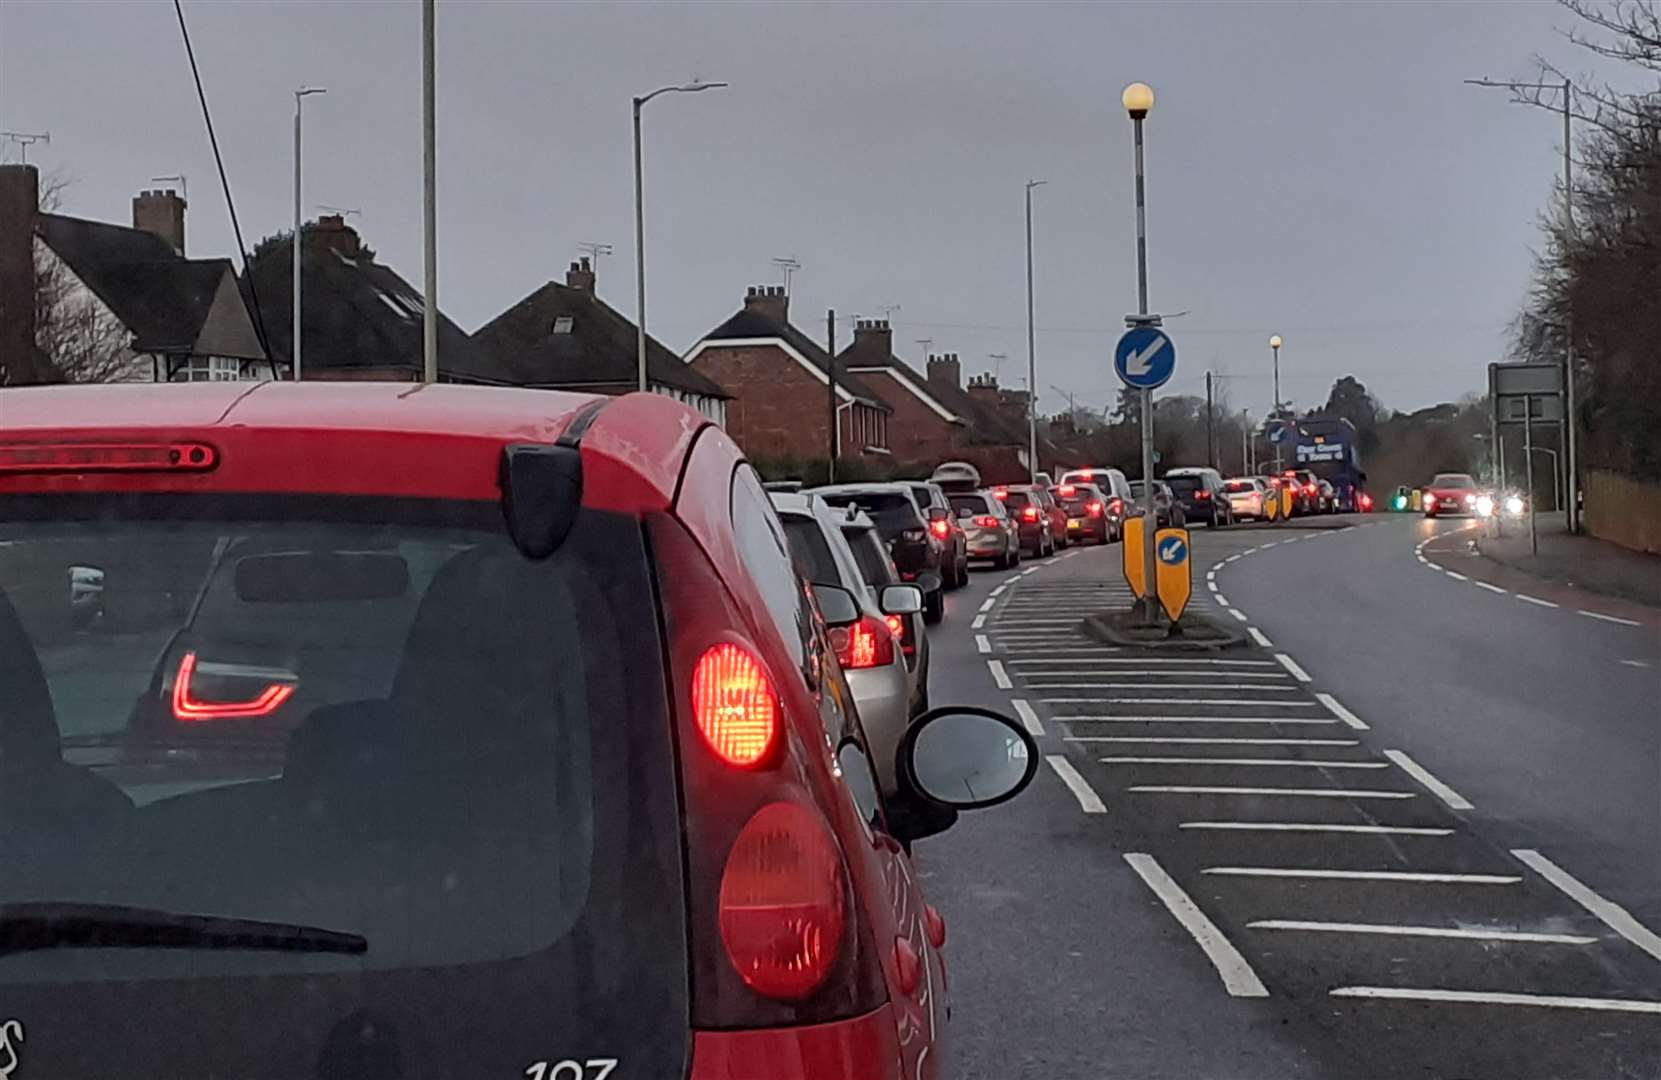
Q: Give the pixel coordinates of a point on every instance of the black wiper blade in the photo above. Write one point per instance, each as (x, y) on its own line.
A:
(35, 926)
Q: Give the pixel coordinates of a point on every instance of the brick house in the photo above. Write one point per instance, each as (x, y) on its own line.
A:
(778, 378)
(565, 337)
(92, 301)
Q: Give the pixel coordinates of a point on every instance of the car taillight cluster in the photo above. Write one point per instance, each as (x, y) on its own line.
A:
(1029, 514)
(867, 643)
(1309, 489)
(190, 708)
(1068, 490)
(1117, 506)
(1202, 495)
(941, 529)
(1366, 501)
(1093, 508)
(734, 705)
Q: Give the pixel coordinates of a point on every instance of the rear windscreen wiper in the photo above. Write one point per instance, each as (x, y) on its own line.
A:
(34, 926)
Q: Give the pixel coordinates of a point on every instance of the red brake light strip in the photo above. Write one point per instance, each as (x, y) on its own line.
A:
(107, 457)
(187, 707)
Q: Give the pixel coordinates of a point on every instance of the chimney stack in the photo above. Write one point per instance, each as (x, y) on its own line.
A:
(770, 300)
(581, 276)
(984, 388)
(161, 213)
(874, 336)
(19, 206)
(331, 233)
(944, 370)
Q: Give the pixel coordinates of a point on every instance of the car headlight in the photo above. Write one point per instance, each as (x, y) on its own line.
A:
(1514, 504)
(1485, 506)
(1470, 500)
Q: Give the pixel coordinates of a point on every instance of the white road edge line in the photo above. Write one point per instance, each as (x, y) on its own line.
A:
(1340, 712)
(1607, 618)
(1238, 977)
(1257, 636)
(1029, 717)
(1237, 613)
(1364, 875)
(998, 591)
(1490, 588)
(987, 604)
(980, 621)
(1222, 600)
(1231, 558)
(1534, 600)
(1434, 566)
(1469, 933)
(1608, 912)
(1487, 997)
(1423, 776)
(1455, 575)
(999, 675)
(1291, 665)
(983, 643)
(1088, 800)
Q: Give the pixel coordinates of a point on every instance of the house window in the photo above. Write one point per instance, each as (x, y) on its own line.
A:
(209, 369)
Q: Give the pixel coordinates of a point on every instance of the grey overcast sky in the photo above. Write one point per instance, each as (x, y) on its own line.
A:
(1316, 170)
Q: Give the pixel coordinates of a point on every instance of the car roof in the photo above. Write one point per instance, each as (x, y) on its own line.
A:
(441, 441)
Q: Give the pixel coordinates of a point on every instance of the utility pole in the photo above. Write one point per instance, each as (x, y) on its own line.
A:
(830, 383)
(1032, 362)
(1210, 437)
(1138, 100)
(429, 199)
(296, 249)
(1245, 443)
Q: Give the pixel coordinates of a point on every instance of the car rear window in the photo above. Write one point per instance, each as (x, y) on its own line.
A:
(924, 496)
(1236, 486)
(871, 556)
(810, 550)
(892, 512)
(973, 504)
(1017, 499)
(1185, 485)
(370, 717)
(1453, 480)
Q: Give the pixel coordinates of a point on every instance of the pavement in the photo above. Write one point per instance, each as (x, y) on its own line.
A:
(1409, 829)
(1583, 562)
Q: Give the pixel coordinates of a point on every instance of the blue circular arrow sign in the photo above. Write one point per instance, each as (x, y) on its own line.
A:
(1172, 551)
(1145, 357)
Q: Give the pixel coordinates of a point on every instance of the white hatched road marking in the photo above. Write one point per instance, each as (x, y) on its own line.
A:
(1340, 712)
(1470, 933)
(1257, 636)
(1035, 726)
(1237, 613)
(1494, 997)
(1238, 977)
(1210, 740)
(1607, 618)
(1323, 793)
(1159, 660)
(1313, 826)
(987, 604)
(1196, 720)
(1088, 800)
(1162, 674)
(1178, 701)
(1211, 574)
(1423, 776)
(1416, 877)
(998, 591)
(999, 675)
(1490, 588)
(1291, 665)
(980, 621)
(1608, 912)
(1222, 601)
(1159, 685)
(983, 643)
(1273, 762)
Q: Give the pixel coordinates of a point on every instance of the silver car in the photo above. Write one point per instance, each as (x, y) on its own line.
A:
(872, 650)
(991, 532)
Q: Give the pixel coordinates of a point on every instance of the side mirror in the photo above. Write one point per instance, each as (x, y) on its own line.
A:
(929, 581)
(939, 513)
(964, 512)
(837, 605)
(900, 600)
(966, 757)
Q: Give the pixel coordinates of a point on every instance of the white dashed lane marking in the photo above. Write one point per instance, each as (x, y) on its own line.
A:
(983, 643)
(1410, 876)
(1609, 913)
(1238, 977)
(1423, 776)
(1035, 726)
(1291, 665)
(1469, 933)
(1318, 793)
(1490, 588)
(1277, 763)
(1608, 618)
(1535, 600)
(1088, 800)
(1257, 636)
(1340, 712)
(999, 675)
(1483, 997)
(1315, 827)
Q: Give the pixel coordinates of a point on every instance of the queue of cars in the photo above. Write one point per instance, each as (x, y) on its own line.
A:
(424, 700)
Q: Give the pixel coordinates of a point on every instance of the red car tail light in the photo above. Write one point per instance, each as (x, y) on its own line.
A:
(783, 902)
(1309, 489)
(107, 457)
(1001, 493)
(1202, 495)
(1029, 514)
(1068, 490)
(1093, 508)
(187, 707)
(1366, 501)
(1118, 505)
(941, 529)
(986, 521)
(865, 644)
(734, 705)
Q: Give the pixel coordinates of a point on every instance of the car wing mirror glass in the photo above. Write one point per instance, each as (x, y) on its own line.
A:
(929, 581)
(900, 600)
(836, 604)
(966, 757)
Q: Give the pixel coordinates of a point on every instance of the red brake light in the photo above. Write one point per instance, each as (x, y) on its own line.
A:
(1002, 493)
(186, 706)
(1029, 514)
(1310, 488)
(783, 906)
(1068, 489)
(896, 625)
(1366, 501)
(866, 644)
(1093, 508)
(734, 703)
(986, 521)
(941, 529)
(1202, 495)
(107, 457)
(1118, 505)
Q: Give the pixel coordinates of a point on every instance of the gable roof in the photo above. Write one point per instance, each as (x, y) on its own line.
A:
(986, 425)
(599, 349)
(358, 314)
(163, 298)
(752, 325)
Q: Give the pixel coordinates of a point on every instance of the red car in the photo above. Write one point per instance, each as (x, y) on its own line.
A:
(492, 734)
(1451, 493)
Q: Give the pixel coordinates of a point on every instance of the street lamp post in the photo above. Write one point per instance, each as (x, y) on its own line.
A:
(640, 223)
(1138, 101)
(294, 250)
(1274, 414)
(1032, 362)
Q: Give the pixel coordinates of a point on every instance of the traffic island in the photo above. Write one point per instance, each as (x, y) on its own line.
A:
(1191, 633)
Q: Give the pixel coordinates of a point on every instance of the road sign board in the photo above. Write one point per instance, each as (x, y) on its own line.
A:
(1130, 547)
(1515, 380)
(1174, 570)
(1145, 357)
(1277, 433)
(1541, 409)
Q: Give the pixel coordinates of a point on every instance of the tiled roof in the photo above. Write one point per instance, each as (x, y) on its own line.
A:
(749, 323)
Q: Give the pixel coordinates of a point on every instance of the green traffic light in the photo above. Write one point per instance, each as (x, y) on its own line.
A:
(1401, 502)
